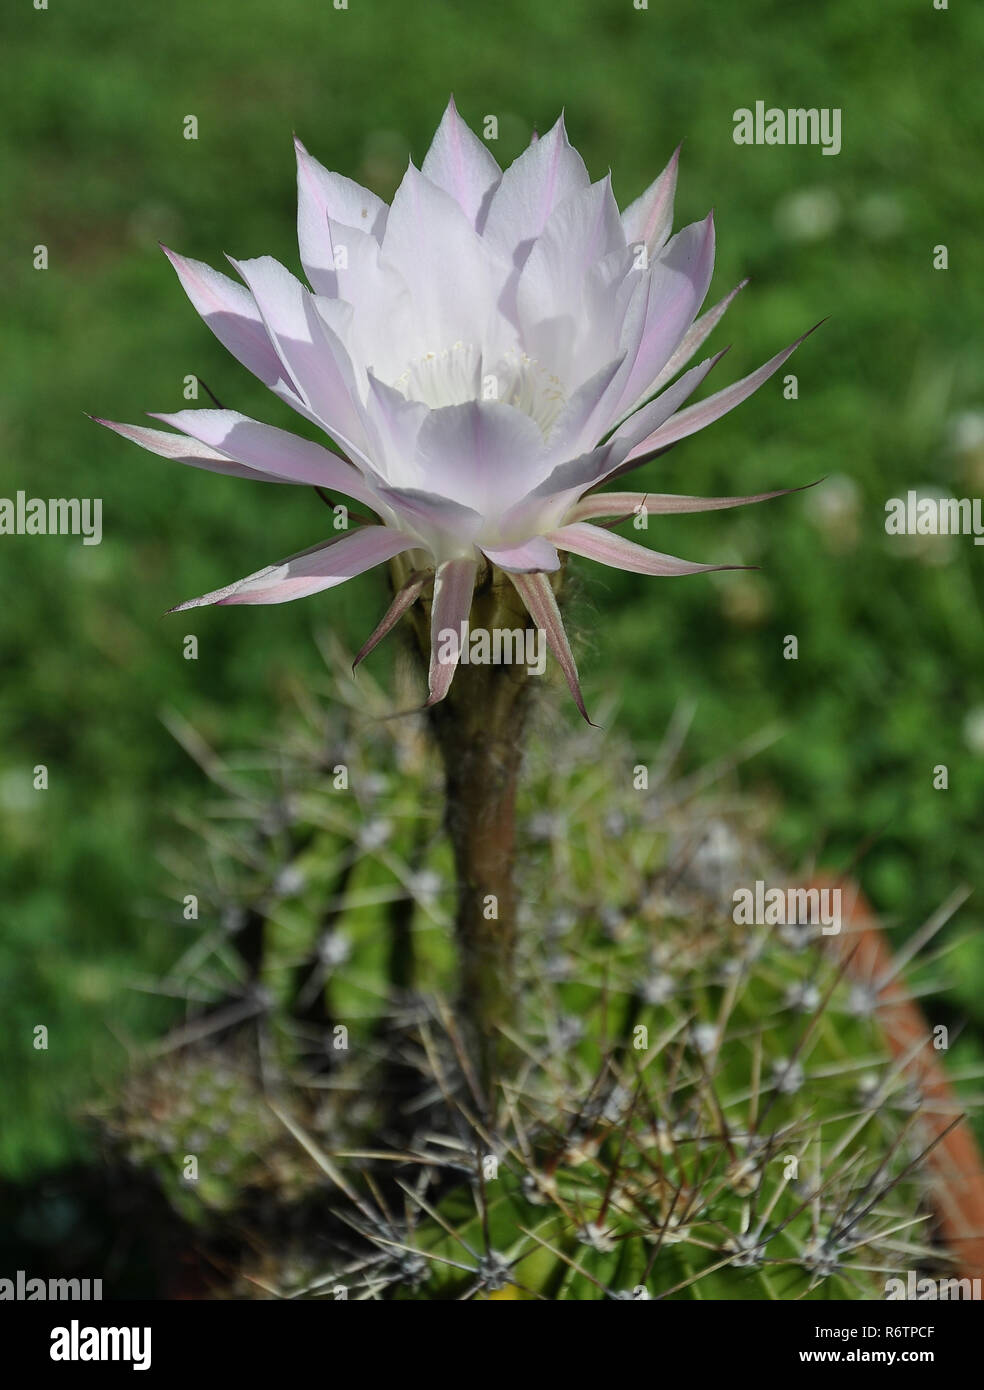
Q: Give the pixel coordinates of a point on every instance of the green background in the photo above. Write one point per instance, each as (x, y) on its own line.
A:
(887, 684)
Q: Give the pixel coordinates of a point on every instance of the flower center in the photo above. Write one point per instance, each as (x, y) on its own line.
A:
(522, 382)
(459, 374)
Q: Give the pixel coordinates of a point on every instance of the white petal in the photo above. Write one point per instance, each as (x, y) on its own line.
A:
(568, 480)
(547, 172)
(697, 417)
(532, 556)
(482, 454)
(695, 337)
(665, 307)
(270, 451)
(184, 450)
(394, 423)
(313, 356)
(460, 163)
(581, 232)
(373, 315)
(351, 269)
(587, 416)
(444, 525)
(321, 194)
(443, 263)
(647, 420)
(321, 567)
(648, 220)
(231, 313)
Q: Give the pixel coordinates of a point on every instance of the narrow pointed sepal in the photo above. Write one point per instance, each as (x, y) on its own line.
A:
(626, 504)
(405, 598)
(595, 543)
(537, 593)
(319, 567)
(695, 337)
(704, 413)
(454, 585)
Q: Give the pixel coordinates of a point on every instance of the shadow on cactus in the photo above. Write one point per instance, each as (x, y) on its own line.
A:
(692, 1108)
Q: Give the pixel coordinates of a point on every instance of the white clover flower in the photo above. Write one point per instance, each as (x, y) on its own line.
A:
(485, 353)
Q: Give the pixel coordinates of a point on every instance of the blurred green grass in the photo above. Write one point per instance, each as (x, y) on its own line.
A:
(891, 392)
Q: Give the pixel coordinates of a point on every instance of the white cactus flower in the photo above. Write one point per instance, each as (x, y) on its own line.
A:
(484, 353)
